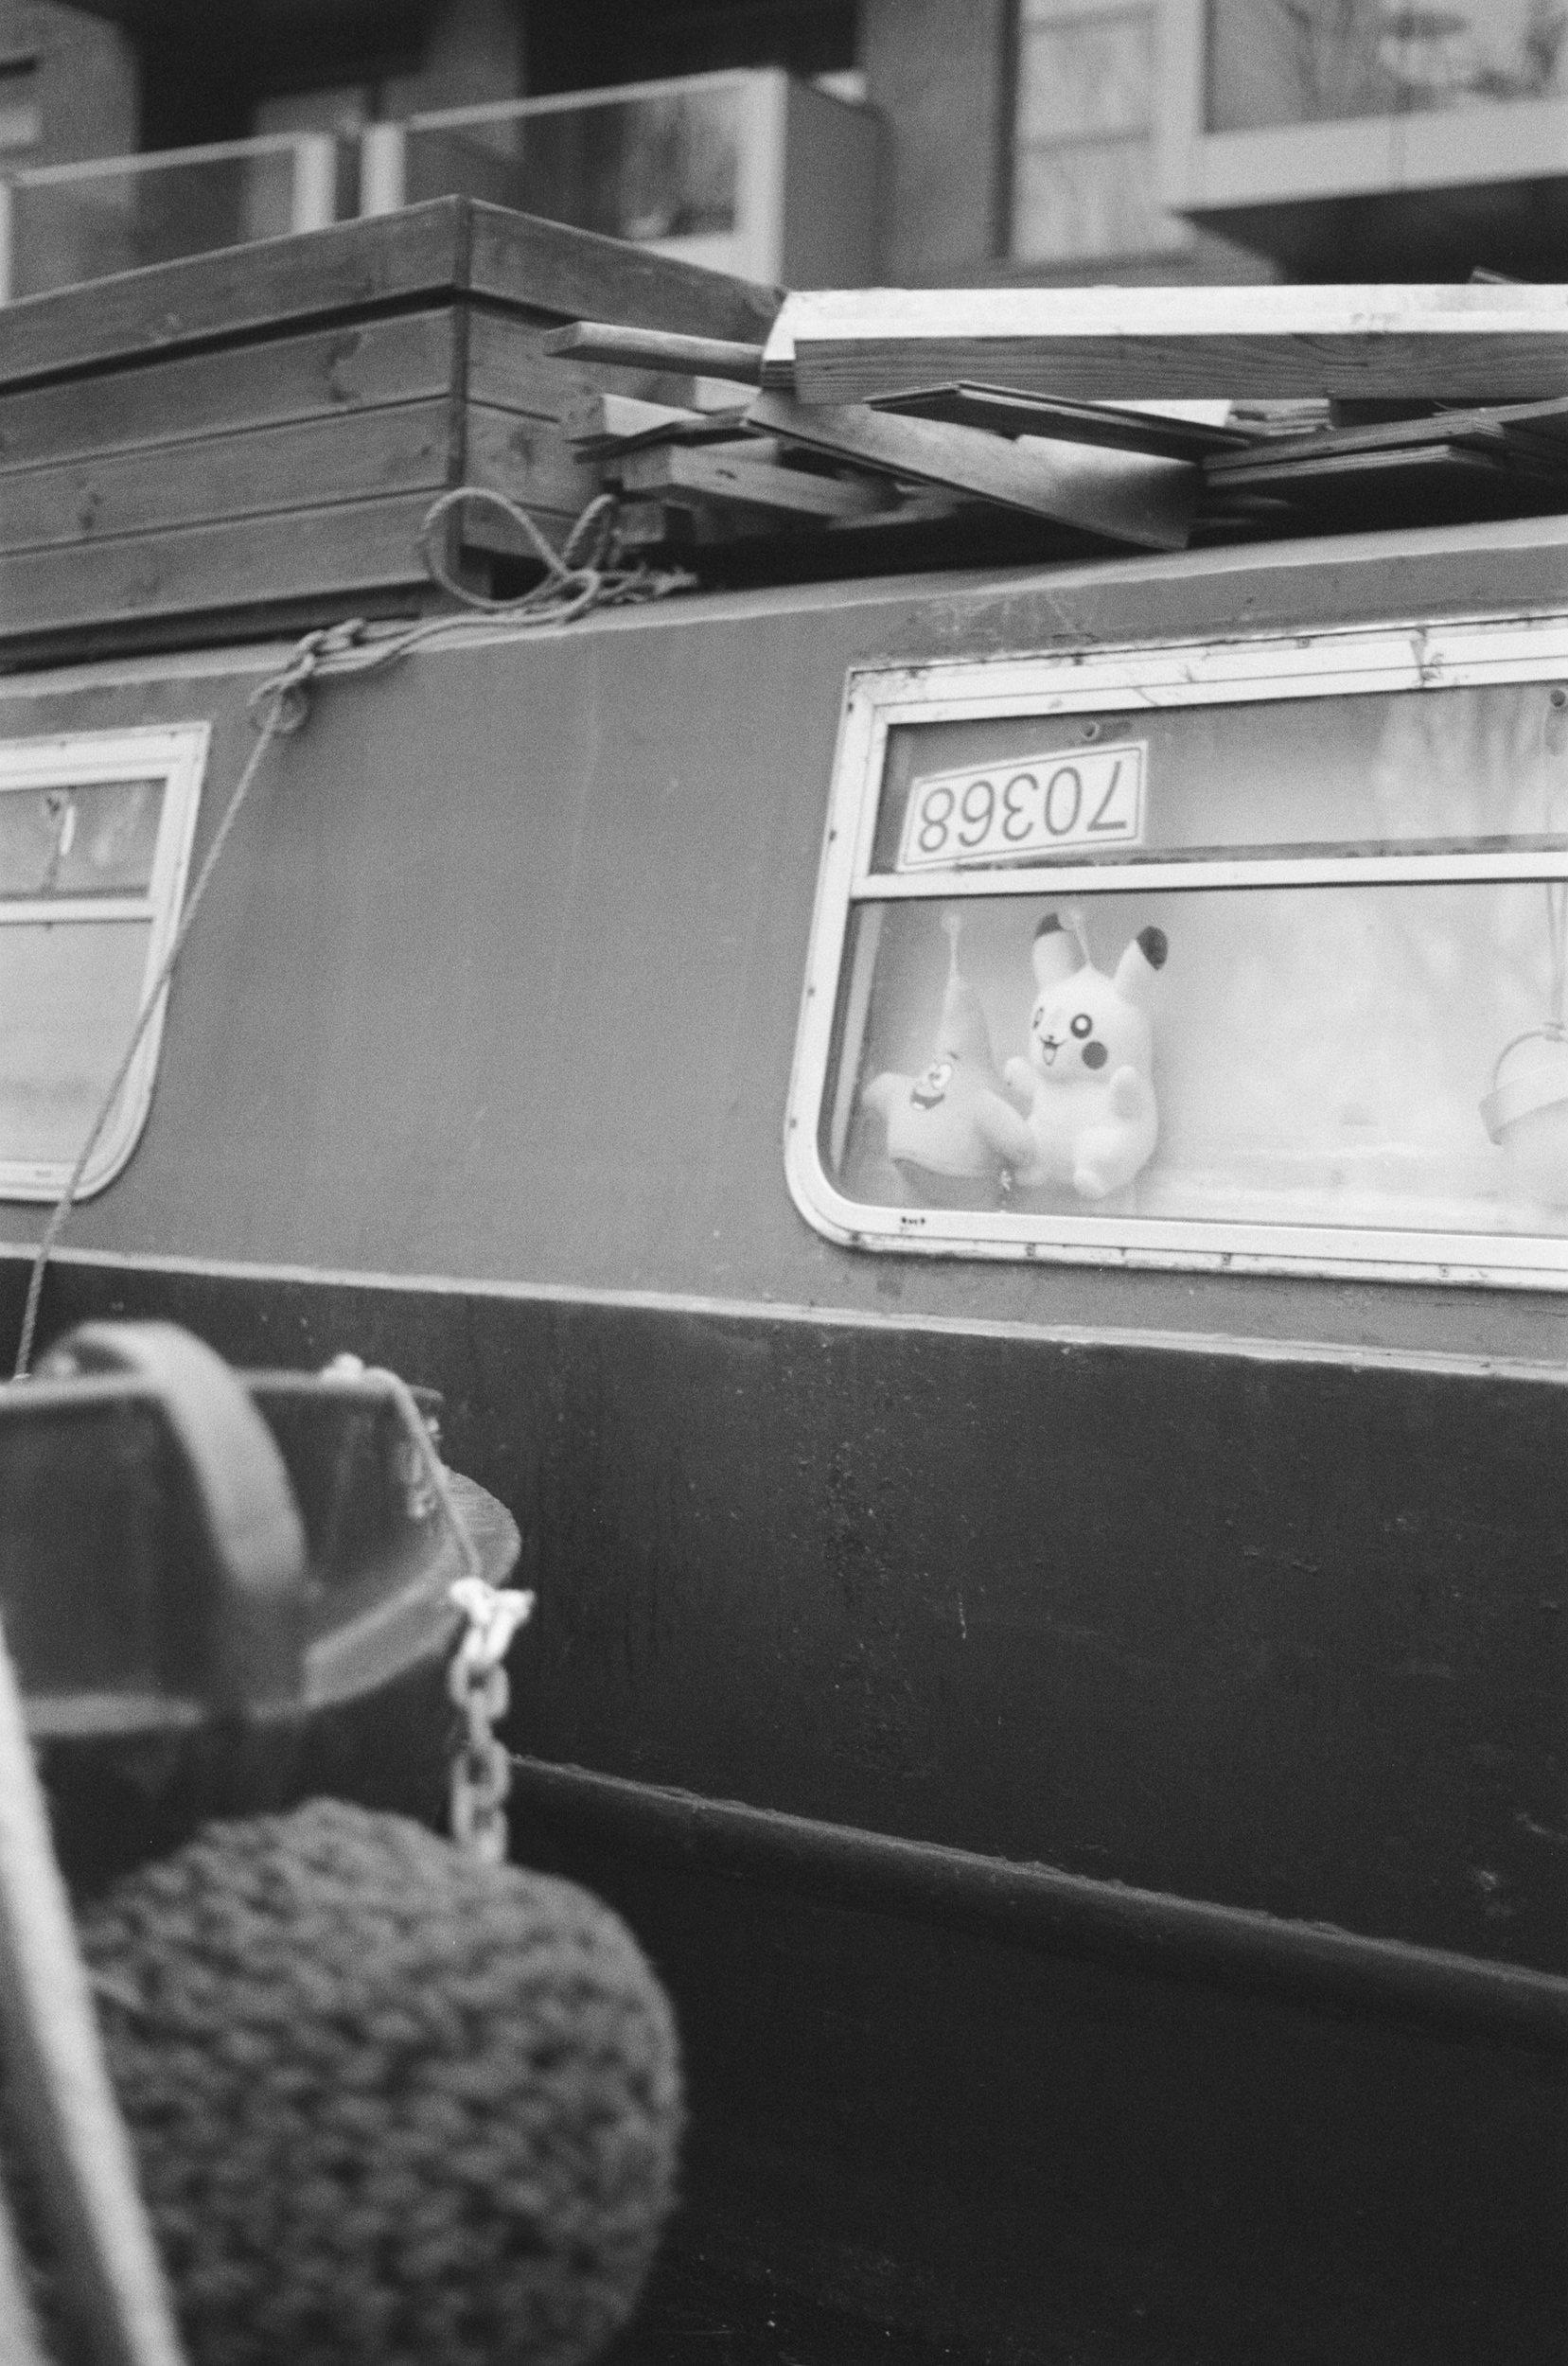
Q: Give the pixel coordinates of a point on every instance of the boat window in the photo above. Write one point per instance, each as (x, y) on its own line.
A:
(1250, 956)
(94, 838)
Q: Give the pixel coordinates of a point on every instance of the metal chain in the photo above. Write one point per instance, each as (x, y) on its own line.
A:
(481, 1773)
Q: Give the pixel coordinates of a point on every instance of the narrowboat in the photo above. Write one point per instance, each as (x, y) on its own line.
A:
(980, 1158)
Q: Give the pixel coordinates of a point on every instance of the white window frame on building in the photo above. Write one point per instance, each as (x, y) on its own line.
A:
(1203, 172)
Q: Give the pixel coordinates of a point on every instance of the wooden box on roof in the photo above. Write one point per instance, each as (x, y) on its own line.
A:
(252, 438)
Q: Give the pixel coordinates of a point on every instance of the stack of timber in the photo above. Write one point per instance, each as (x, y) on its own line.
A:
(249, 441)
(1117, 418)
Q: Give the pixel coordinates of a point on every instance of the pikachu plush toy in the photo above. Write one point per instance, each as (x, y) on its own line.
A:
(1087, 1087)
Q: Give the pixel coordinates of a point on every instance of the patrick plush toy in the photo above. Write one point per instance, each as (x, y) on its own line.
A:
(951, 1130)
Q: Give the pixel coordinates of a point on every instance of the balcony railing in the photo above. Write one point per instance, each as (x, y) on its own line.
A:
(662, 164)
(64, 224)
(748, 172)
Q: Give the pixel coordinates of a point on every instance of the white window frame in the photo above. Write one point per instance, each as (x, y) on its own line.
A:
(177, 756)
(1324, 664)
(1202, 172)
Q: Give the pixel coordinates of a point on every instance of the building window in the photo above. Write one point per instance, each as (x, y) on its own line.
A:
(1254, 955)
(1281, 62)
(94, 838)
(1083, 166)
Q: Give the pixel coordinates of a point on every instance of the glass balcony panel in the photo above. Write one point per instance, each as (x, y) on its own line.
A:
(73, 224)
(653, 168)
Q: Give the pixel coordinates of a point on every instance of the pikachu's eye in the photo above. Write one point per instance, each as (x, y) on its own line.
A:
(1082, 1024)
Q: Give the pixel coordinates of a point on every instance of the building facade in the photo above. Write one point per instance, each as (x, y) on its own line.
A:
(1034, 141)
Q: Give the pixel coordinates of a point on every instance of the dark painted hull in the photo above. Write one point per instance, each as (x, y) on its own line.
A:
(1042, 2116)
(1137, 1929)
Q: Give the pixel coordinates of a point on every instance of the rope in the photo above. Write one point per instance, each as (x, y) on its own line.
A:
(278, 689)
(578, 579)
(76, 2144)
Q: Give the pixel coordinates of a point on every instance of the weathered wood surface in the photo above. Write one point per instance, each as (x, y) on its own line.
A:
(1434, 472)
(658, 350)
(1000, 412)
(1483, 341)
(326, 373)
(525, 457)
(267, 425)
(576, 274)
(1520, 424)
(507, 365)
(396, 448)
(453, 246)
(1124, 498)
(747, 472)
(236, 565)
(597, 425)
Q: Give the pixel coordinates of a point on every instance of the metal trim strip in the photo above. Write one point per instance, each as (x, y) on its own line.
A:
(1151, 1933)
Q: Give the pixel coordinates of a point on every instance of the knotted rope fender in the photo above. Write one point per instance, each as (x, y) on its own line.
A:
(392, 2106)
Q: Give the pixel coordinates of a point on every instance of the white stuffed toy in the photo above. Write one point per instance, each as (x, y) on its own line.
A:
(1087, 1085)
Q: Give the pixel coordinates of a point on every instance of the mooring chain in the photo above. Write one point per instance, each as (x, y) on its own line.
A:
(481, 1775)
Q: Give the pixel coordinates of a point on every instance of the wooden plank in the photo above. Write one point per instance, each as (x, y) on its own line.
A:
(393, 259)
(509, 368)
(527, 459)
(1438, 462)
(326, 373)
(395, 449)
(1502, 421)
(1483, 341)
(580, 275)
(596, 417)
(601, 426)
(729, 474)
(1002, 413)
(658, 349)
(485, 529)
(450, 246)
(1123, 497)
(243, 564)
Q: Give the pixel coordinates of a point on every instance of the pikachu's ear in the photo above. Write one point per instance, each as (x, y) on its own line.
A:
(1139, 966)
(1056, 954)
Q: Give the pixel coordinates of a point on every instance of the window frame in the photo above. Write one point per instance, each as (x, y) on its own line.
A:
(1157, 675)
(176, 755)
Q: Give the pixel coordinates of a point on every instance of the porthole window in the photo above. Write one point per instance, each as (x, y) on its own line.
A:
(1250, 955)
(94, 838)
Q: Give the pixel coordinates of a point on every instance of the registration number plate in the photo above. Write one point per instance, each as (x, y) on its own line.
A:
(1093, 797)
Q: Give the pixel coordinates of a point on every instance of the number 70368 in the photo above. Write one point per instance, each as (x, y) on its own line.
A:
(1030, 805)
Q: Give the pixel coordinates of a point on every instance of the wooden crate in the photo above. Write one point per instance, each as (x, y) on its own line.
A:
(248, 441)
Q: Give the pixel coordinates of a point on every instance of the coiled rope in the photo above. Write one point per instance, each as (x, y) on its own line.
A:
(582, 576)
